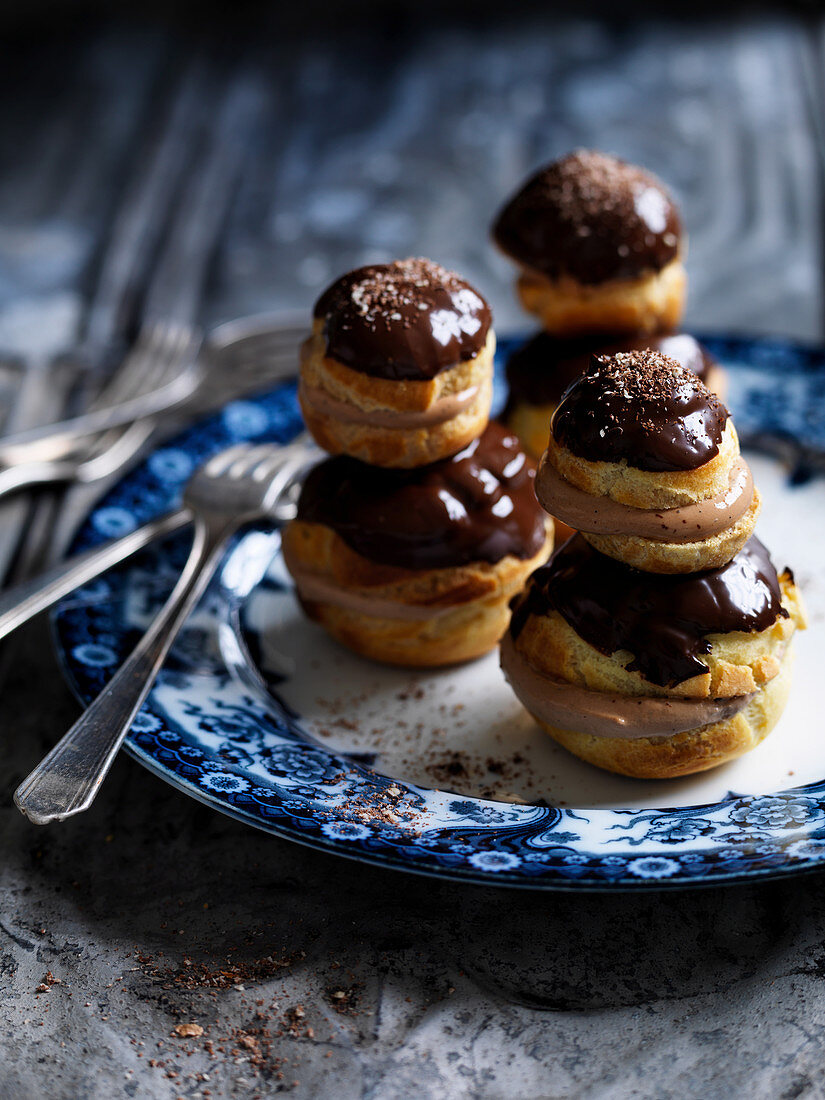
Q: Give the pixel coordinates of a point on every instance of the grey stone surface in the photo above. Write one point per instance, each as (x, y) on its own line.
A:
(450, 991)
(151, 911)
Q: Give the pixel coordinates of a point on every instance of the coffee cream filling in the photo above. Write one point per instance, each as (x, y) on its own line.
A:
(599, 515)
(317, 588)
(603, 714)
(443, 409)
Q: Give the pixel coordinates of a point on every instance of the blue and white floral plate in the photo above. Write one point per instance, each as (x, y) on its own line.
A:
(260, 715)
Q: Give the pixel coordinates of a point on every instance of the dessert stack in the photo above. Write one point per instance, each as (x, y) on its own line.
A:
(599, 245)
(412, 538)
(656, 642)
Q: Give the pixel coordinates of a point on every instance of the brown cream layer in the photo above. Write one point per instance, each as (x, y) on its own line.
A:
(600, 515)
(316, 588)
(603, 714)
(443, 409)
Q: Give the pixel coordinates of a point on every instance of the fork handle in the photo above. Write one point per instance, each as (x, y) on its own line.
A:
(28, 474)
(83, 465)
(68, 779)
(25, 600)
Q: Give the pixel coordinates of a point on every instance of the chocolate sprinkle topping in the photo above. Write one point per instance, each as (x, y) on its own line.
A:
(477, 506)
(644, 408)
(540, 371)
(591, 217)
(410, 319)
(663, 620)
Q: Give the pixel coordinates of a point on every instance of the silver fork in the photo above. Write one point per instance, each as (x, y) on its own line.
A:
(159, 372)
(238, 485)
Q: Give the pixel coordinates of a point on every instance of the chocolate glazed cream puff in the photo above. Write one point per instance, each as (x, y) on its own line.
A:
(417, 567)
(540, 371)
(599, 243)
(644, 460)
(399, 368)
(653, 676)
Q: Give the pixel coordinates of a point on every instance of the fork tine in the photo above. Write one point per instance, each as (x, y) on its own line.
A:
(127, 378)
(172, 347)
(219, 464)
(124, 444)
(285, 480)
(244, 466)
(251, 480)
(158, 356)
(301, 448)
(161, 357)
(179, 353)
(125, 381)
(151, 364)
(271, 463)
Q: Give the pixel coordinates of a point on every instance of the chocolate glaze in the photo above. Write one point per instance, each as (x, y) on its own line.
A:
(644, 408)
(663, 620)
(410, 319)
(540, 371)
(591, 217)
(477, 506)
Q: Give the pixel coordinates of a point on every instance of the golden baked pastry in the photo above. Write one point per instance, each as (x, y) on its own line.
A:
(653, 676)
(645, 461)
(599, 243)
(643, 304)
(418, 567)
(398, 370)
(539, 372)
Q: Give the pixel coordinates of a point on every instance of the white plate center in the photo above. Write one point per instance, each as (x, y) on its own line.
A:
(463, 730)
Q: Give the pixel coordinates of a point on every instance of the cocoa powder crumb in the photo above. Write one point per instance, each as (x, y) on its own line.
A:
(188, 1031)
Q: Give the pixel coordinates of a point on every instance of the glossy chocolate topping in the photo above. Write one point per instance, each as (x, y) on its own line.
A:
(642, 407)
(477, 506)
(541, 370)
(410, 319)
(591, 217)
(663, 620)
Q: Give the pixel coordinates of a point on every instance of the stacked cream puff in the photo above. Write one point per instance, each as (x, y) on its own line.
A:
(656, 642)
(645, 460)
(599, 245)
(411, 540)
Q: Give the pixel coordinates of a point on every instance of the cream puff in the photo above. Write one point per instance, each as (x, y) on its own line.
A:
(540, 371)
(398, 370)
(653, 676)
(599, 244)
(418, 567)
(644, 460)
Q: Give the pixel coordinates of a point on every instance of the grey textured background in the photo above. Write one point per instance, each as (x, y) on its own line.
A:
(397, 135)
